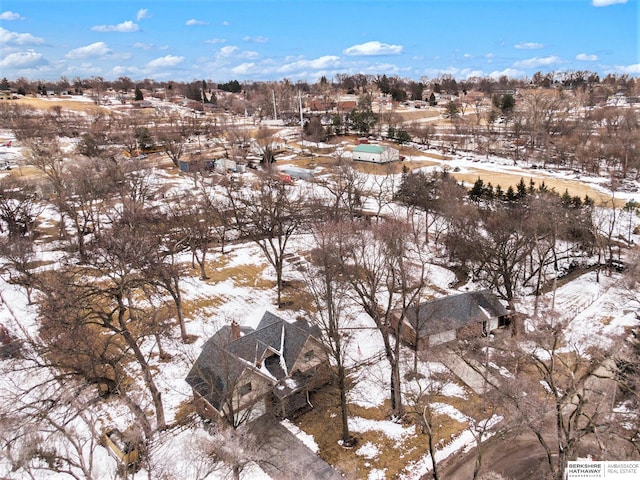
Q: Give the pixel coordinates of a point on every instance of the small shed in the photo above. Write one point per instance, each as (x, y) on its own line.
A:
(375, 153)
(192, 165)
(224, 165)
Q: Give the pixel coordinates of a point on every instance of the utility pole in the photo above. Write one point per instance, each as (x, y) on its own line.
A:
(300, 102)
(275, 107)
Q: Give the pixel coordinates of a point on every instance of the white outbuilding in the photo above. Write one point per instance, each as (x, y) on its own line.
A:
(375, 153)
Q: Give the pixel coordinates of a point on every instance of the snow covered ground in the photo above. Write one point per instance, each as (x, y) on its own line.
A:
(597, 313)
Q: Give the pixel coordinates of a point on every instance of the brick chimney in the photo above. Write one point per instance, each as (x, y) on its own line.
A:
(235, 330)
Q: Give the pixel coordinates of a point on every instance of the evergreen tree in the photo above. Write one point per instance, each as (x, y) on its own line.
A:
(521, 189)
(398, 94)
(384, 85)
(416, 90)
(402, 136)
(477, 190)
(452, 109)
(507, 103)
(204, 91)
(138, 94)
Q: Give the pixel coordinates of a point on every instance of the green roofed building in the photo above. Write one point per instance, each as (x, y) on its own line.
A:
(375, 153)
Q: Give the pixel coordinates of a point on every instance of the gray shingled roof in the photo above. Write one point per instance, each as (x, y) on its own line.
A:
(223, 359)
(454, 311)
(215, 369)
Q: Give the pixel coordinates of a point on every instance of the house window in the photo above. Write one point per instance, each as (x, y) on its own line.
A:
(308, 356)
(245, 389)
(504, 321)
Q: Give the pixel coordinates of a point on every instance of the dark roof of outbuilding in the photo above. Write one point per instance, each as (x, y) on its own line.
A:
(454, 311)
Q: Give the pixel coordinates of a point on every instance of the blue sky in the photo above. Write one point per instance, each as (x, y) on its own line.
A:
(305, 39)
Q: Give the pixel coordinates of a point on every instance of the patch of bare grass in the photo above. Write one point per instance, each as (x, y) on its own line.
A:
(413, 115)
(504, 179)
(295, 296)
(606, 320)
(242, 275)
(64, 103)
(323, 423)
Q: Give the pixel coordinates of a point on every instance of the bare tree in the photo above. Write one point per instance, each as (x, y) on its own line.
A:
(347, 190)
(118, 258)
(421, 395)
(333, 314)
(387, 273)
(556, 392)
(48, 430)
(269, 216)
(173, 135)
(19, 207)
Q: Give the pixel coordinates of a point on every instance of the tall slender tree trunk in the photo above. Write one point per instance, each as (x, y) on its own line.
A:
(156, 395)
(177, 298)
(346, 435)
(146, 371)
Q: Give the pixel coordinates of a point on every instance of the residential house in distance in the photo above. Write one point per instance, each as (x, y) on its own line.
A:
(243, 373)
(375, 153)
(444, 320)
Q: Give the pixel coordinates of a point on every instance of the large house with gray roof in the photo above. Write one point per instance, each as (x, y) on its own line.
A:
(243, 373)
(446, 319)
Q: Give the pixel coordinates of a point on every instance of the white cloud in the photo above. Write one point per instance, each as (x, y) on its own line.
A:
(97, 49)
(454, 71)
(243, 69)
(124, 27)
(191, 22)
(84, 69)
(373, 48)
(629, 69)
(586, 57)
(376, 68)
(232, 51)
(226, 24)
(528, 46)
(606, 3)
(537, 62)
(9, 15)
(228, 51)
(120, 70)
(166, 61)
(14, 38)
(142, 13)
(258, 39)
(327, 61)
(507, 72)
(143, 46)
(26, 59)
(215, 41)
